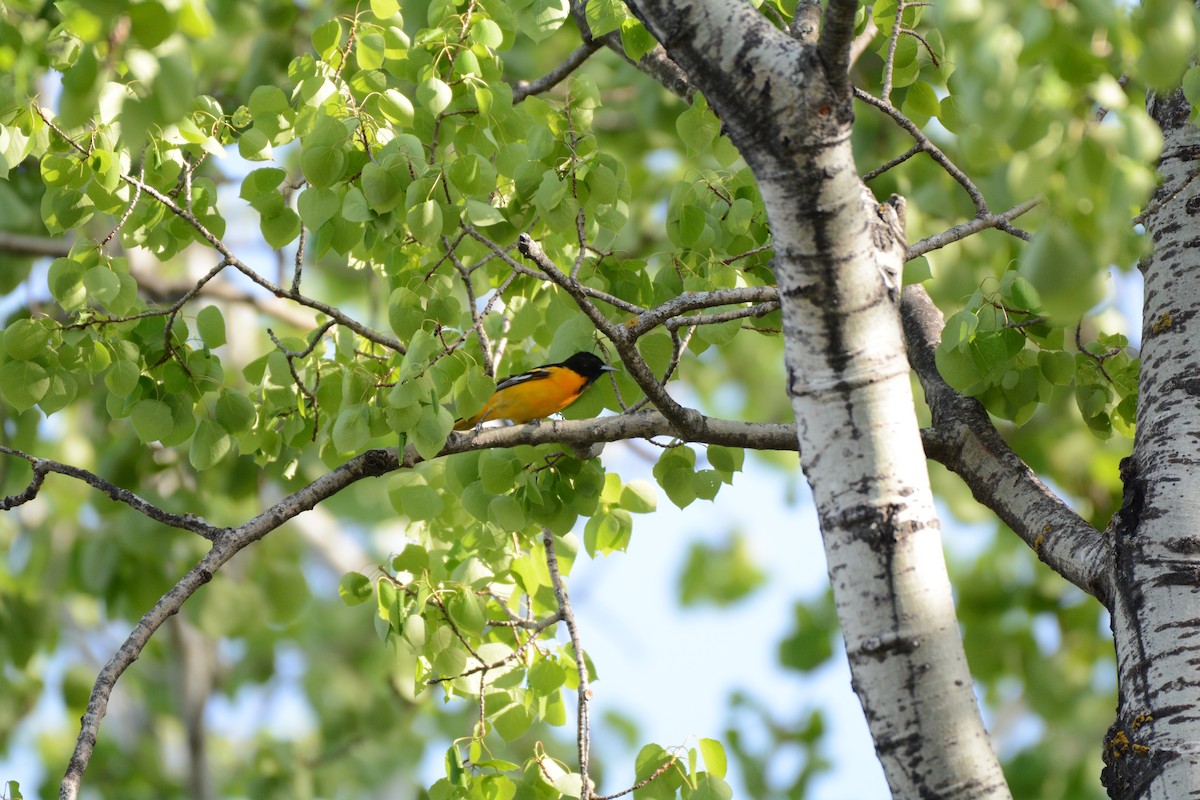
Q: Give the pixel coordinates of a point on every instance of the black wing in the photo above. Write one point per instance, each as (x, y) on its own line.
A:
(535, 374)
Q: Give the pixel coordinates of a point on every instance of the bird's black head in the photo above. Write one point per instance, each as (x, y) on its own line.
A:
(588, 365)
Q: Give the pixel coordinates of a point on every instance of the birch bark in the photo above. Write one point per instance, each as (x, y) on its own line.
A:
(1153, 748)
(786, 105)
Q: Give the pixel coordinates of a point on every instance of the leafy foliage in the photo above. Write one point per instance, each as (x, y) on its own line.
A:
(389, 158)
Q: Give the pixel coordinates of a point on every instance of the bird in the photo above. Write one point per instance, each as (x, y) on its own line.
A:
(539, 392)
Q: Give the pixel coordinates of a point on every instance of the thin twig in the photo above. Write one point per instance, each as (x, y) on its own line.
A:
(42, 466)
(551, 79)
(895, 162)
(584, 694)
(640, 784)
(889, 61)
(959, 232)
(935, 152)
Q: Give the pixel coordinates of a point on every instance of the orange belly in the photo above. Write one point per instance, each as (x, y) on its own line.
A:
(525, 402)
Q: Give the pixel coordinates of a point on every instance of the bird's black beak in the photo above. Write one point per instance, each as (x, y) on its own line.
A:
(607, 368)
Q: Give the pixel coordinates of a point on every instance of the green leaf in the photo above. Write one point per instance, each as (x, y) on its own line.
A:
(254, 145)
(486, 32)
(381, 188)
(322, 165)
(23, 383)
(152, 420)
(921, 100)
(355, 589)
(714, 757)
(506, 514)
(425, 222)
(539, 20)
(326, 38)
(385, 9)
(707, 787)
(65, 209)
(639, 497)
(369, 50)
(234, 411)
(280, 228)
(429, 434)
(719, 574)
(1057, 367)
(546, 676)
(650, 759)
(413, 558)
(512, 723)
(813, 630)
(396, 107)
(210, 324)
(317, 206)
(351, 430)
(1191, 85)
(26, 339)
(1060, 266)
(917, 270)
(122, 377)
(66, 283)
(210, 444)
(698, 128)
(412, 497)
(481, 215)
(604, 16)
(726, 459)
(102, 284)
(434, 94)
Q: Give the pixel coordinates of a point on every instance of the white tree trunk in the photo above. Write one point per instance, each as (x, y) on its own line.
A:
(1153, 749)
(838, 255)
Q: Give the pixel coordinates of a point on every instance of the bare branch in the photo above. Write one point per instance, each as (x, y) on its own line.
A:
(42, 466)
(519, 268)
(18, 244)
(893, 163)
(160, 290)
(889, 61)
(551, 79)
(693, 301)
(960, 232)
(583, 726)
(935, 152)
(964, 440)
(334, 313)
(225, 546)
(753, 312)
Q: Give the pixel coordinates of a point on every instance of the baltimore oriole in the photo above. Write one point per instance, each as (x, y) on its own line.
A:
(539, 392)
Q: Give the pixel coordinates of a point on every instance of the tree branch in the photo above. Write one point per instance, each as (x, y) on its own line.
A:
(18, 244)
(960, 232)
(225, 546)
(42, 466)
(935, 152)
(584, 694)
(656, 64)
(187, 216)
(626, 345)
(694, 301)
(551, 79)
(966, 442)
(834, 45)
